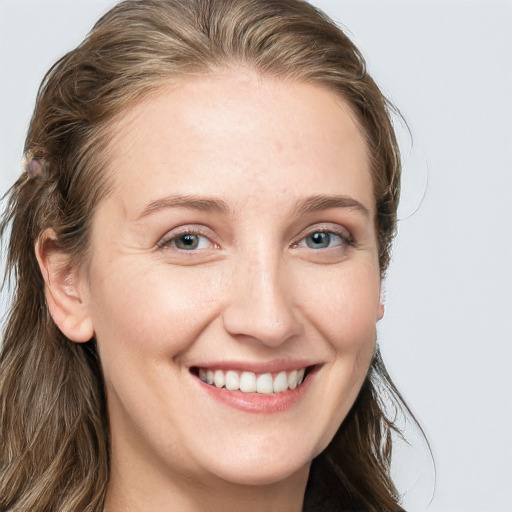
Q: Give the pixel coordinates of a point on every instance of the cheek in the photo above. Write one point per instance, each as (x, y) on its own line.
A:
(345, 308)
(159, 310)
(344, 311)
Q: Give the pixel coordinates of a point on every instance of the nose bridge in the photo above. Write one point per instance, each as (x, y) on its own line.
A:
(260, 305)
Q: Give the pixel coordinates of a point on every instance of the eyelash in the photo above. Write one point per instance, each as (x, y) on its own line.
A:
(170, 241)
(345, 239)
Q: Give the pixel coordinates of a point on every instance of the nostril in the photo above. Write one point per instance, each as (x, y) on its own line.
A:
(257, 325)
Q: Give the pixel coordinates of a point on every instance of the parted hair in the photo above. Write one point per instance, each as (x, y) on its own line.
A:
(54, 433)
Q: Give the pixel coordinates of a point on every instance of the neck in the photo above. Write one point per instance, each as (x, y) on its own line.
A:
(178, 494)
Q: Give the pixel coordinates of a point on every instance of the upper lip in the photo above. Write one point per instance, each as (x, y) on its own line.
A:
(274, 366)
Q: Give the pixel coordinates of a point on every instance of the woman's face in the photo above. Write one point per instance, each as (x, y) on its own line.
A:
(238, 245)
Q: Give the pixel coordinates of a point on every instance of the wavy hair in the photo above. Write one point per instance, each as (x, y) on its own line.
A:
(54, 434)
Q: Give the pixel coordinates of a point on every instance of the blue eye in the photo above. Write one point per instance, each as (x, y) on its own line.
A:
(188, 242)
(319, 240)
(323, 240)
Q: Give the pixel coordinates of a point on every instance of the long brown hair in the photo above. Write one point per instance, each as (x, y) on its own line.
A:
(54, 446)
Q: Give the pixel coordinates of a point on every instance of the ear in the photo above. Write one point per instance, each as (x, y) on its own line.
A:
(380, 311)
(64, 289)
(382, 300)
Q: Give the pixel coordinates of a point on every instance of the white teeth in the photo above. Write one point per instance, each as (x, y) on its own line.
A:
(219, 379)
(248, 382)
(264, 384)
(292, 379)
(232, 381)
(280, 382)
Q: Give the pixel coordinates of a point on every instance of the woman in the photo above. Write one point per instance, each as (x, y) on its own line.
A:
(198, 243)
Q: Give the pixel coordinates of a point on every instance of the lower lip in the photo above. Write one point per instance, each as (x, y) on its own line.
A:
(258, 402)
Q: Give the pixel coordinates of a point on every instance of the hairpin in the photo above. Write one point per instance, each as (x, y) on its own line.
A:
(36, 168)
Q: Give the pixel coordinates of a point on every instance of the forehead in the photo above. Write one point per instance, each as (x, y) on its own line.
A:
(221, 133)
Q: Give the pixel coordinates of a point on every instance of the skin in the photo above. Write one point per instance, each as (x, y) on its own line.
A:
(253, 290)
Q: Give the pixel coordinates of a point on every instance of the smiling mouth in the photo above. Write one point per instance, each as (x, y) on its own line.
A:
(250, 382)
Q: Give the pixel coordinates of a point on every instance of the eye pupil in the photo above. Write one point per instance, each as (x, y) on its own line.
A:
(187, 241)
(318, 240)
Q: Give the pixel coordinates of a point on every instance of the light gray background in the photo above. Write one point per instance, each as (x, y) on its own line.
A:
(446, 336)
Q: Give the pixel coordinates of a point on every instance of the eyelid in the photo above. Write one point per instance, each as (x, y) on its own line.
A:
(192, 229)
(334, 229)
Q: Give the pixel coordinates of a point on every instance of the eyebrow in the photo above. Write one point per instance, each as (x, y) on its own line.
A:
(205, 204)
(318, 203)
(211, 204)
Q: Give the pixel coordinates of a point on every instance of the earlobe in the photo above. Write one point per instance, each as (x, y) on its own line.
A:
(63, 289)
(380, 311)
(382, 300)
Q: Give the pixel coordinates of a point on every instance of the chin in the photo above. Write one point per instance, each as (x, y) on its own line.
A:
(265, 464)
(267, 474)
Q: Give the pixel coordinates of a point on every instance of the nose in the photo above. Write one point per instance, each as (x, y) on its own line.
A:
(261, 305)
